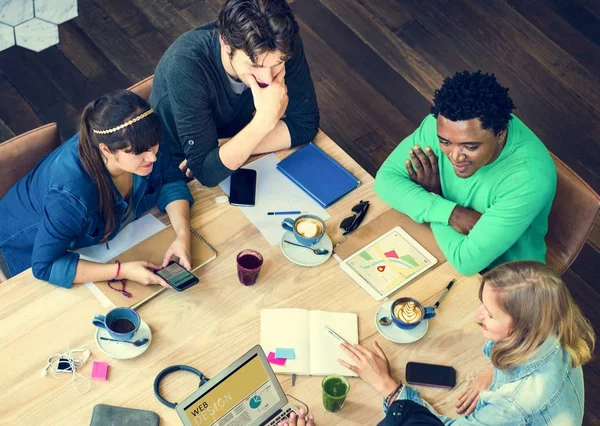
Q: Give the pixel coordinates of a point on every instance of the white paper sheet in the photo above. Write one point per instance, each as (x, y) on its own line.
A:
(275, 192)
(134, 233)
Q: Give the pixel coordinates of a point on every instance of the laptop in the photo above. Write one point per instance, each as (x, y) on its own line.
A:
(245, 393)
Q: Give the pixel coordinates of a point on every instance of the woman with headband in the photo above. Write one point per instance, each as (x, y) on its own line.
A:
(90, 188)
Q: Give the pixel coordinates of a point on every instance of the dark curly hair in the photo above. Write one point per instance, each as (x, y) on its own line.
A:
(468, 95)
(258, 26)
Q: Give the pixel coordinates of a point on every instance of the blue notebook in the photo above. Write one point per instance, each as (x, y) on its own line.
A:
(317, 174)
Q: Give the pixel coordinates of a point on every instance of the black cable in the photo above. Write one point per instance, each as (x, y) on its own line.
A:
(296, 399)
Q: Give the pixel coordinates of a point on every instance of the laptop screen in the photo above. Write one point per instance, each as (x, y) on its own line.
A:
(238, 399)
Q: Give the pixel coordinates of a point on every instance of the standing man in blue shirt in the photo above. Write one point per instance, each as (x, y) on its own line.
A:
(243, 77)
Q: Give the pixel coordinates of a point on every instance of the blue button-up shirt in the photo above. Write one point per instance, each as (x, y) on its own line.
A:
(55, 209)
(543, 391)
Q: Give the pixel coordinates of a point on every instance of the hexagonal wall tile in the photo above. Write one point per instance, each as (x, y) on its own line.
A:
(36, 34)
(14, 12)
(7, 37)
(56, 11)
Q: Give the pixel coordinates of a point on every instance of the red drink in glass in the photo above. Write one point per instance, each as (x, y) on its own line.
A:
(249, 263)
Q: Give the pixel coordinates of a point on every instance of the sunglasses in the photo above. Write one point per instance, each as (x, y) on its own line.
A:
(352, 222)
(121, 284)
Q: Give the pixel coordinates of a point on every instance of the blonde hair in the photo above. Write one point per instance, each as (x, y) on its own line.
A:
(540, 305)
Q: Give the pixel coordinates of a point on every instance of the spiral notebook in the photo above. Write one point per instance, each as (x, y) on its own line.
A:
(153, 250)
(317, 174)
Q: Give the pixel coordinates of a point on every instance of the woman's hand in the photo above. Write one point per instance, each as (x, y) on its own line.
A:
(142, 272)
(180, 247)
(300, 420)
(467, 400)
(372, 366)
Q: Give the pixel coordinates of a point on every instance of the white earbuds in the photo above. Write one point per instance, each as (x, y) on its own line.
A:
(69, 362)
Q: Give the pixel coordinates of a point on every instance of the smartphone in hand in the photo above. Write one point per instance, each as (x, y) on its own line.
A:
(177, 276)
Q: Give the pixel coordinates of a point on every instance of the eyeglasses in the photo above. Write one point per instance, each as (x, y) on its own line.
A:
(117, 284)
(352, 222)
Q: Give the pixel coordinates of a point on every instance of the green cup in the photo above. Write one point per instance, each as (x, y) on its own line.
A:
(335, 391)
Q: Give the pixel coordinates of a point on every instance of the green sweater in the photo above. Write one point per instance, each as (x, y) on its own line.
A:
(514, 194)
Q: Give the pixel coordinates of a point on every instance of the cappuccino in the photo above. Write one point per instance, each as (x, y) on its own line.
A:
(408, 312)
(309, 228)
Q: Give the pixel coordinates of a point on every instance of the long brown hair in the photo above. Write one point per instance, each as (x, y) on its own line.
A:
(109, 111)
(540, 305)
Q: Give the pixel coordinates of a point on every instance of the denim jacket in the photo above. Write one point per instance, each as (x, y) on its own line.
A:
(542, 391)
(55, 209)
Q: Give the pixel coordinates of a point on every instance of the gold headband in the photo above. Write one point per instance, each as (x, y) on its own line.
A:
(122, 126)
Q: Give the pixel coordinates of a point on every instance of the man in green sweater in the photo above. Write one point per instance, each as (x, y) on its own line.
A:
(474, 172)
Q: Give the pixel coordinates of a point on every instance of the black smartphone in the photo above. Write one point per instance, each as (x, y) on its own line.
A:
(177, 276)
(441, 376)
(243, 188)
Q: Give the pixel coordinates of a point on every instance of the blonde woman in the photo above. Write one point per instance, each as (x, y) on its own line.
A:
(538, 340)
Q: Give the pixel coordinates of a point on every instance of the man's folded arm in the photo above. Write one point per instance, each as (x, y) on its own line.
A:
(395, 187)
(498, 228)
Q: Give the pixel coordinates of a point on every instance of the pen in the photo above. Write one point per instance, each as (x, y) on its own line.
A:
(280, 213)
(446, 290)
(337, 336)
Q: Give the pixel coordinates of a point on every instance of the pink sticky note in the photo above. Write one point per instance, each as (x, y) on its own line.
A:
(276, 361)
(99, 370)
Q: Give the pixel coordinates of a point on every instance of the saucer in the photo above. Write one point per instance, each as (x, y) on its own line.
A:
(303, 256)
(395, 334)
(122, 350)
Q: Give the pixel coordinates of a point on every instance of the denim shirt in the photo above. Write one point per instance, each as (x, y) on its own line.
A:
(55, 209)
(542, 391)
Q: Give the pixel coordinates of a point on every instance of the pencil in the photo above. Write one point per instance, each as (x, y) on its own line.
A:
(337, 336)
(282, 213)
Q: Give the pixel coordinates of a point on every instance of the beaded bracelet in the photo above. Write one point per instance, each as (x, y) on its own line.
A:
(392, 396)
(118, 270)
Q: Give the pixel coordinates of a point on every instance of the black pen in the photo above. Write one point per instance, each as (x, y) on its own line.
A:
(446, 290)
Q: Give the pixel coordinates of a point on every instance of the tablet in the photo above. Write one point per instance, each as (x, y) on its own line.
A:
(388, 263)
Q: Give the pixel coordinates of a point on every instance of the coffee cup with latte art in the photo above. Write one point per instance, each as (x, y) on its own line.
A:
(407, 313)
(308, 229)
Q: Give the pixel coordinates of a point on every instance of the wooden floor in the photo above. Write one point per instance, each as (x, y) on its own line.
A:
(375, 64)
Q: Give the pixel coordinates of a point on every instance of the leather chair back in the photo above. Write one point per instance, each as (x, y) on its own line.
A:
(21, 153)
(143, 88)
(573, 215)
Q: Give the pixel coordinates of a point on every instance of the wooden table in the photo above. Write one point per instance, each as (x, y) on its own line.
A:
(215, 322)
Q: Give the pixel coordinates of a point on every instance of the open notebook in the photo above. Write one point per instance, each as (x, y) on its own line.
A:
(316, 350)
(153, 250)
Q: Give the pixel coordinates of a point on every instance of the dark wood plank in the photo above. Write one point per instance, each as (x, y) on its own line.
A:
(164, 16)
(110, 39)
(361, 58)
(152, 45)
(77, 89)
(586, 266)
(199, 13)
(561, 32)
(15, 111)
(128, 16)
(395, 51)
(580, 17)
(586, 296)
(25, 73)
(524, 39)
(89, 59)
(346, 102)
(65, 116)
(460, 27)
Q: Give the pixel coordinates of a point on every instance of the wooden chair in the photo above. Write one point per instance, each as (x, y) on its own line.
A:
(143, 88)
(21, 153)
(573, 215)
